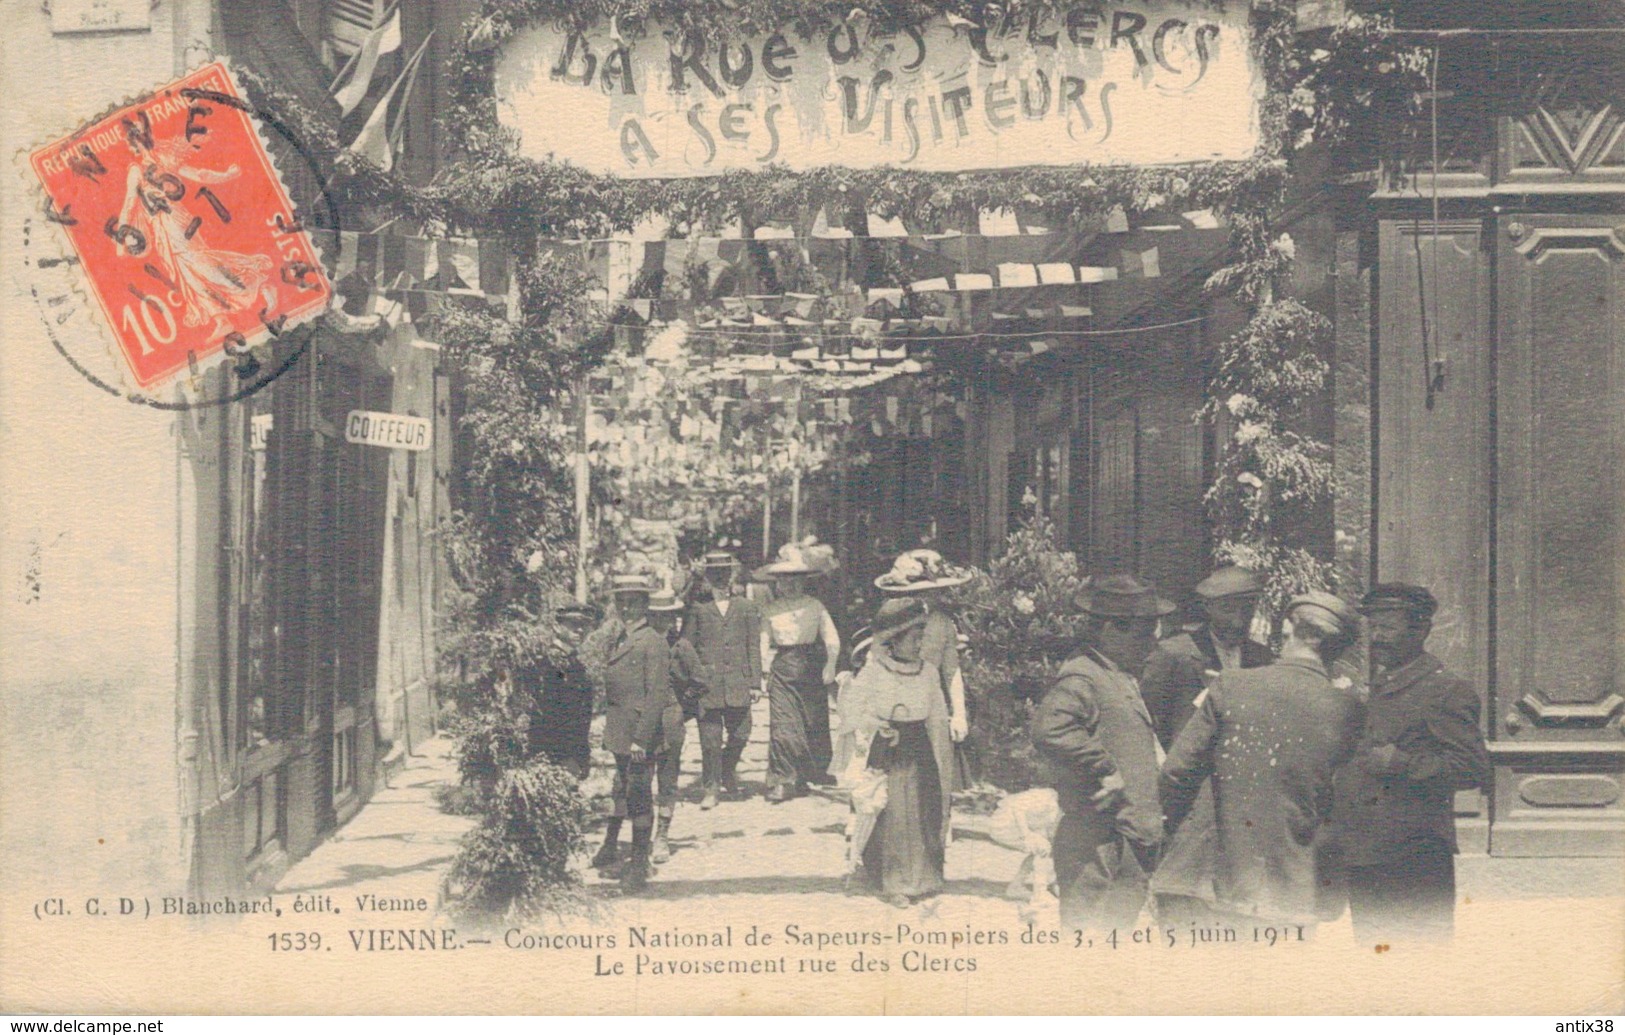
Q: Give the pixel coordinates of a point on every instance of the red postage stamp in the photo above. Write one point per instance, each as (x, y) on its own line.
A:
(185, 233)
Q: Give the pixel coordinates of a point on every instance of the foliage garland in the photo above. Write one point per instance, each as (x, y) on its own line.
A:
(1314, 90)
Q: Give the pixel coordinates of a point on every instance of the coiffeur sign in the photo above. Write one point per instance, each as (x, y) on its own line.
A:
(1091, 83)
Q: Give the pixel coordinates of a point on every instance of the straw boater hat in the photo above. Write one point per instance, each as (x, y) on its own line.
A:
(1230, 581)
(919, 570)
(719, 559)
(589, 613)
(808, 557)
(1123, 596)
(665, 600)
(632, 584)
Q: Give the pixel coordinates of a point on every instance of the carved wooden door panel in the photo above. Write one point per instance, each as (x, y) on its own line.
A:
(1560, 562)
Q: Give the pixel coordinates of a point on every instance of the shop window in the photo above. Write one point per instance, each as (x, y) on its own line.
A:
(255, 631)
(1050, 461)
(343, 762)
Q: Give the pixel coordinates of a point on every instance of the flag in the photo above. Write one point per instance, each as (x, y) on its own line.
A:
(880, 226)
(386, 39)
(377, 139)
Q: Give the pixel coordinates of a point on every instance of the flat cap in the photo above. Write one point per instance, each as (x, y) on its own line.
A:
(1327, 605)
(1232, 580)
(1399, 596)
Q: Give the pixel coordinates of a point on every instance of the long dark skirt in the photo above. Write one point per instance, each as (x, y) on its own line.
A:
(904, 855)
(798, 713)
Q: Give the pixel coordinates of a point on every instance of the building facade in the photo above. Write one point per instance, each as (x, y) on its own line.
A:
(1471, 263)
(228, 630)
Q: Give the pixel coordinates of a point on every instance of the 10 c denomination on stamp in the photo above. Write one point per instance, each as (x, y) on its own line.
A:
(186, 235)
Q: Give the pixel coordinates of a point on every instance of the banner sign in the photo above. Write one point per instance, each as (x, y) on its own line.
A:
(1087, 84)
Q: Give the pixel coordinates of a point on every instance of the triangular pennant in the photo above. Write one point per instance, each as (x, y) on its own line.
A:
(822, 227)
(880, 226)
(998, 223)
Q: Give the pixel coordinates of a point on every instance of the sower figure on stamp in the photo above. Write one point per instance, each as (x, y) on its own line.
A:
(1422, 743)
(688, 681)
(1178, 672)
(1093, 730)
(726, 632)
(637, 691)
(1269, 740)
(562, 715)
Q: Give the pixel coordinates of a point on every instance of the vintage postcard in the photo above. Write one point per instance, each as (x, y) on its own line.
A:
(790, 507)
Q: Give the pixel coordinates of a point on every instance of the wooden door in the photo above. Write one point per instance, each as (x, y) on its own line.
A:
(1146, 466)
(1560, 568)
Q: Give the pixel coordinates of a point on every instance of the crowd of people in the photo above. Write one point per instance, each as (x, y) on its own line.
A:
(1197, 773)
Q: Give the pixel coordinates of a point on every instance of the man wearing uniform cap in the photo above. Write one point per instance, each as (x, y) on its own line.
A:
(726, 632)
(1093, 731)
(1183, 665)
(1270, 739)
(1422, 742)
(561, 715)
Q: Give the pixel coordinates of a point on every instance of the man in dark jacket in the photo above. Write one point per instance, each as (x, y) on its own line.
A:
(726, 632)
(688, 683)
(561, 709)
(1270, 739)
(1095, 734)
(1422, 743)
(637, 691)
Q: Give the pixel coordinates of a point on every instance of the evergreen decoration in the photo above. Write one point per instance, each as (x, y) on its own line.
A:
(518, 863)
(1022, 621)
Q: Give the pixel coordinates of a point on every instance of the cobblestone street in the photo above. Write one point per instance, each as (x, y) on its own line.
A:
(749, 862)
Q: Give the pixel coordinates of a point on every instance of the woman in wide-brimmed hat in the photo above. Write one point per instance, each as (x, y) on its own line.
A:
(894, 731)
(799, 651)
(924, 575)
